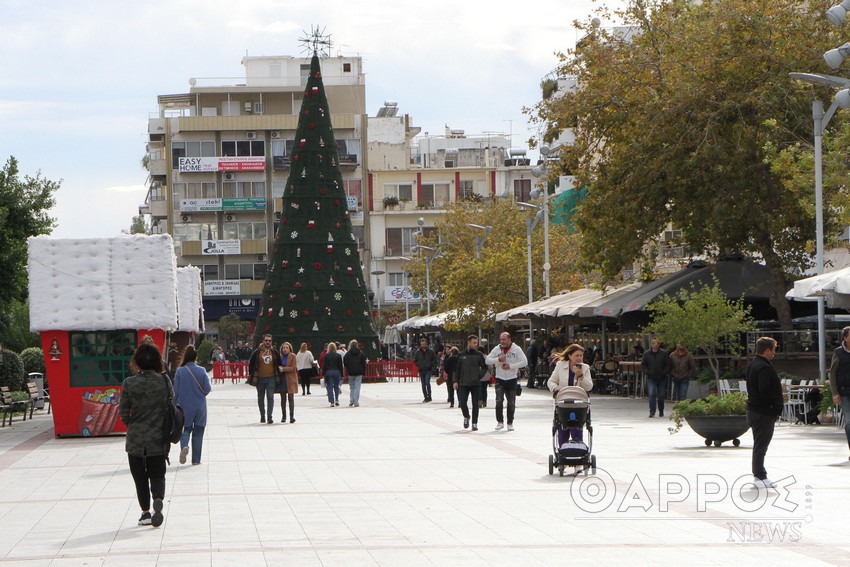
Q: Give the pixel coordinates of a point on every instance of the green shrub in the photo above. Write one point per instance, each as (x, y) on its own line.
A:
(730, 404)
(204, 352)
(12, 370)
(33, 360)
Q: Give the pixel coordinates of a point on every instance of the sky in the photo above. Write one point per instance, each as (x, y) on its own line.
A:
(79, 80)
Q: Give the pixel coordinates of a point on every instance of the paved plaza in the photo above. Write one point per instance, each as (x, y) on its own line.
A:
(399, 482)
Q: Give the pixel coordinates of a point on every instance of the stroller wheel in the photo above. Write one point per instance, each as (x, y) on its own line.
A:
(736, 442)
(718, 443)
(708, 442)
(551, 464)
(593, 464)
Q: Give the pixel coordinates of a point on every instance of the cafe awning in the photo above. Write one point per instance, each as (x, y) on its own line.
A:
(834, 286)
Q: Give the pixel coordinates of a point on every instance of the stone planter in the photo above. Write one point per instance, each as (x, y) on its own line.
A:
(719, 428)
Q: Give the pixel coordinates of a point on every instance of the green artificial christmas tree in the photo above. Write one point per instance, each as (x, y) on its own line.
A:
(314, 290)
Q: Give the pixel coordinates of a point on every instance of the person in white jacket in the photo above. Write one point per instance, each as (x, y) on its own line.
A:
(570, 371)
(508, 358)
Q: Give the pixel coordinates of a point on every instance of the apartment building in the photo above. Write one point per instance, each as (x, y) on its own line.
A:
(218, 158)
(412, 178)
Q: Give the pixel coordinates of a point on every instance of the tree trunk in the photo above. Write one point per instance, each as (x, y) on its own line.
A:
(780, 285)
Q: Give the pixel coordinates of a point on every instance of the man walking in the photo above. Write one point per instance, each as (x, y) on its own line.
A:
(508, 358)
(426, 362)
(839, 379)
(655, 366)
(764, 404)
(468, 371)
(531, 356)
(354, 362)
(683, 368)
(264, 373)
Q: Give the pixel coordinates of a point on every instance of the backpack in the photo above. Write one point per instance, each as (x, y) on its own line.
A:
(174, 417)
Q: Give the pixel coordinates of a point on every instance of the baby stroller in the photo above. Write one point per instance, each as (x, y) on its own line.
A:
(572, 411)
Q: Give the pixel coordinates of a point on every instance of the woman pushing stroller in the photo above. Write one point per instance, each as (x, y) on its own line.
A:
(570, 371)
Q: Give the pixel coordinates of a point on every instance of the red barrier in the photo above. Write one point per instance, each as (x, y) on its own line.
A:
(391, 370)
(236, 371)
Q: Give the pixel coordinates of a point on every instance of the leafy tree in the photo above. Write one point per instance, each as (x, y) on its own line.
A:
(677, 121)
(499, 279)
(33, 360)
(231, 328)
(205, 349)
(138, 226)
(15, 326)
(701, 319)
(23, 213)
(12, 370)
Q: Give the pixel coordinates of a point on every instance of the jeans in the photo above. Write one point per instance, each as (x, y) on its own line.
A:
(506, 389)
(762, 426)
(425, 379)
(680, 389)
(482, 392)
(197, 433)
(845, 411)
(657, 392)
(265, 396)
(149, 477)
(332, 384)
(354, 383)
(450, 385)
(463, 401)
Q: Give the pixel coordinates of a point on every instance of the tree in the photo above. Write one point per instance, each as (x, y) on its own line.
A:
(479, 288)
(232, 328)
(138, 226)
(12, 370)
(24, 204)
(701, 319)
(314, 290)
(675, 122)
(15, 326)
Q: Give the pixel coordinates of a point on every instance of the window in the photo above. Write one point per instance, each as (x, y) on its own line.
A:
(190, 149)
(400, 240)
(244, 231)
(243, 148)
(282, 147)
(435, 194)
(522, 190)
(101, 359)
(353, 188)
(209, 272)
(348, 150)
(358, 236)
(182, 191)
(244, 189)
(305, 74)
(278, 187)
(244, 271)
(395, 279)
(467, 188)
(157, 193)
(346, 67)
(194, 231)
(401, 191)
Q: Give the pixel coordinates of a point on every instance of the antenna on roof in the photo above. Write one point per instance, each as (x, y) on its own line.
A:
(316, 42)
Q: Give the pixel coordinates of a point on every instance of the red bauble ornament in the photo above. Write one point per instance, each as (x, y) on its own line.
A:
(318, 75)
(306, 112)
(268, 328)
(348, 312)
(297, 284)
(340, 328)
(336, 201)
(323, 191)
(317, 265)
(306, 312)
(311, 126)
(291, 330)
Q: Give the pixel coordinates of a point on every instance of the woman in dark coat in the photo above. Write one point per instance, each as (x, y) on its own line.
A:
(142, 409)
(332, 370)
(191, 386)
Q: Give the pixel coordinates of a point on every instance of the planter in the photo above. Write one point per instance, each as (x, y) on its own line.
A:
(719, 428)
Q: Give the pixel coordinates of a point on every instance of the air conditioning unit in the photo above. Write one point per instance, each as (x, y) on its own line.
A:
(186, 218)
(248, 107)
(228, 217)
(275, 135)
(229, 176)
(449, 163)
(262, 258)
(251, 135)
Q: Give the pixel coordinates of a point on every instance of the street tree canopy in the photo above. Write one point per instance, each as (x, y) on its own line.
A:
(499, 279)
(684, 118)
(24, 204)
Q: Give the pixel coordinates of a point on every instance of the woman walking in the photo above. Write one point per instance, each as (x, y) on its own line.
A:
(570, 371)
(288, 381)
(332, 371)
(304, 365)
(142, 409)
(191, 386)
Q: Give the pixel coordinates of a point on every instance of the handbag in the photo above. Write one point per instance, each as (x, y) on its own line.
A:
(442, 379)
(314, 371)
(174, 417)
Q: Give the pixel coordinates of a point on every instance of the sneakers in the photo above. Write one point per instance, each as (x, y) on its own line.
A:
(510, 427)
(500, 426)
(475, 427)
(652, 415)
(661, 414)
(764, 482)
(357, 404)
(145, 520)
(156, 519)
(291, 420)
(262, 419)
(466, 423)
(332, 404)
(184, 452)
(351, 404)
(336, 404)
(270, 420)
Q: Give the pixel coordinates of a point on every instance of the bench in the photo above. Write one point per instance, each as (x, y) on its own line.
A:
(9, 407)
(32, 388)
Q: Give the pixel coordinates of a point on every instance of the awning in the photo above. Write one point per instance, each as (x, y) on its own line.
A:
(586, 311)
(530, 309)
(834, 286)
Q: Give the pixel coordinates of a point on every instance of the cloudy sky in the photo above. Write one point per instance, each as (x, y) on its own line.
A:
(80, 79)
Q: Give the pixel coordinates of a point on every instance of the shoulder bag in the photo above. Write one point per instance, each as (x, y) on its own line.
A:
(174, 417)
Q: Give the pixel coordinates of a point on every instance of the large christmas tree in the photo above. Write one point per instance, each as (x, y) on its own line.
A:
(314, 290)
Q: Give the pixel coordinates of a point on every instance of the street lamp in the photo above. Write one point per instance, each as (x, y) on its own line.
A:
(821, 120)
(542, 170)
(378, 274)
(479, 244)
(530, 223)
(434, 254)
(406, 290)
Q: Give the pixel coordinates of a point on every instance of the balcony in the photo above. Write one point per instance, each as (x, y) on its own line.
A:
(159, 209)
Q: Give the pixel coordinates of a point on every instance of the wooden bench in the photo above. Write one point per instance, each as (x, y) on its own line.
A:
(10, 407)
(32, 387)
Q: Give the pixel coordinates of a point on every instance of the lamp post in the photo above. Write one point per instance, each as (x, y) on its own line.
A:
(542, 170)
(530, 223)
(406, 290)
(434, 254)
(479, 244)
(378, 274)
(821, 120)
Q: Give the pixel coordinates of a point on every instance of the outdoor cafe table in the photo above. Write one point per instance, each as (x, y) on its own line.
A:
(634, 376)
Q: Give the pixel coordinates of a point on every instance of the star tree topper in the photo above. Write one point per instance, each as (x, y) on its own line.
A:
(316, 41)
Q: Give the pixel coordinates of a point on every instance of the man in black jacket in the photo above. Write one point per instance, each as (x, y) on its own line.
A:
(468, 371)
(264, 373)
(839, 378)
(655, 366)
(764, 404)
(354, 362)
(426, 362)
